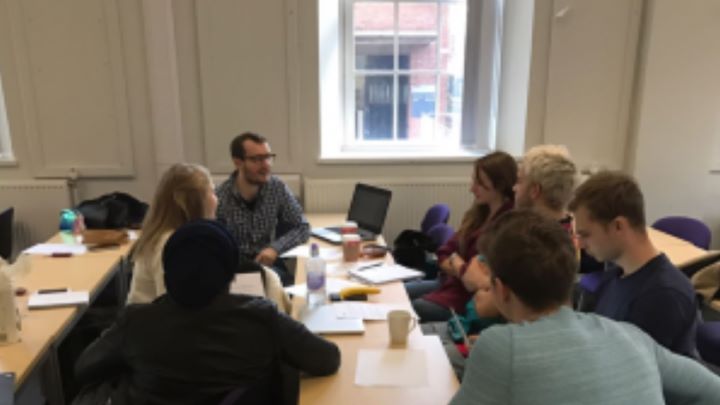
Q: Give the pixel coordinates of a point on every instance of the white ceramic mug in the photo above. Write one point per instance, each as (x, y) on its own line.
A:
(400, 324)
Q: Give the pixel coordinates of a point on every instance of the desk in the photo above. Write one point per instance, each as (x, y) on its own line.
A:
(340, 388)
(680, 252)
(43, 329)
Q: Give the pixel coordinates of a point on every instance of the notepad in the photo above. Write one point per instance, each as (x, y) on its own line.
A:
(386, 274)
(59, 299)
(49, 249)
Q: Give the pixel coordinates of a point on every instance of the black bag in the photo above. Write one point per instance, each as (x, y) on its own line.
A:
(113, 211)
(411, 247)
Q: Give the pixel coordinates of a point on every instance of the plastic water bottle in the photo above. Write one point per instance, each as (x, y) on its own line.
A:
(315, 273)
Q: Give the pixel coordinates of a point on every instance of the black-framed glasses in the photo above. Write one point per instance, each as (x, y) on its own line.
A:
(270, 157)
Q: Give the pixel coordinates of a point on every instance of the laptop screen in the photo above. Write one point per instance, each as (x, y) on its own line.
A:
(369, 207)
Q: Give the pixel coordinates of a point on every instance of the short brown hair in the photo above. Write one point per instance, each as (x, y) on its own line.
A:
(608, 195)
(236, 146)
(534, 257)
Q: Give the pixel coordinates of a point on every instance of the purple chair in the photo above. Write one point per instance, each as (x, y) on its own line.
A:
(440, 233)
(437, 214)
(708, 342)
(689, 229)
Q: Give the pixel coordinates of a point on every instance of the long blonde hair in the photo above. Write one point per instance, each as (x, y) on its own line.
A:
(180, 197)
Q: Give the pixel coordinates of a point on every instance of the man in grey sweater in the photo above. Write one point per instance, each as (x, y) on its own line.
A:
(549, 354)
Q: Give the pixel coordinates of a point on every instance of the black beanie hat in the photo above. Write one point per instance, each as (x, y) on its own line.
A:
(199, 261)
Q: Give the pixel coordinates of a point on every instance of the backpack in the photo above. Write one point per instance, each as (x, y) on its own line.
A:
(113, 211)
(411, 249)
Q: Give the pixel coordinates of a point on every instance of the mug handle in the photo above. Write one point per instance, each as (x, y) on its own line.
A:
(414, 324)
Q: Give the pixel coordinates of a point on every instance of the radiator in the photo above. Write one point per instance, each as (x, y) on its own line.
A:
(410, 199)
(37, 208)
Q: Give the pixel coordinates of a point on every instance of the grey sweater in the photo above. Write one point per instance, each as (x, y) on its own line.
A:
(576, 358)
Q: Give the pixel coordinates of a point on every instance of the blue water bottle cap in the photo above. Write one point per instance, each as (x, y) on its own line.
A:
(67, 220)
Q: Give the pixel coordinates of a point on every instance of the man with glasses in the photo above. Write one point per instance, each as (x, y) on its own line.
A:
(258, 208)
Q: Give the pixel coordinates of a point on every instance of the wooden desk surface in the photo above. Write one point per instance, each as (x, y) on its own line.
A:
(341, 388)
(679, 251)
(40, 328)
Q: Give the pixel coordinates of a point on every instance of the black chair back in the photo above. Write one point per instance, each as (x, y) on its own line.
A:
(6, 233)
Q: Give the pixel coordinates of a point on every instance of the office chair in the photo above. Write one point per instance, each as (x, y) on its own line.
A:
(437, 214)
(440, 233)
(686, 228)
(6, 233)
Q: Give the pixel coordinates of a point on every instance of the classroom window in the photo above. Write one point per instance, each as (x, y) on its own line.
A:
(404, 77)
(6, 153)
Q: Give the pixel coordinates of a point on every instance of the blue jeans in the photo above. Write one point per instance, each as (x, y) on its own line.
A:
(429, 311)
(418, 288)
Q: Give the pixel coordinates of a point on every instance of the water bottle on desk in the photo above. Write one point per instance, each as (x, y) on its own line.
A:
(72, 224)
(315, 278)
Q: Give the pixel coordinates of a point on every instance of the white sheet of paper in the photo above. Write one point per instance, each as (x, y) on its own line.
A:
(61, 299)
(391, 368)
(334, 285)
(362, 310)
(248, 284)
(327, 253)
(47, 249)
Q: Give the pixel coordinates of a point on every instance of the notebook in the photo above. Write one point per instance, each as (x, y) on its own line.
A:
(385, 274)
(323, 320)
(368, 208)
(59, 299)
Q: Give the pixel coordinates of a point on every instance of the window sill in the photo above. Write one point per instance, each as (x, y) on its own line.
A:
(8, 163)
(371, 158)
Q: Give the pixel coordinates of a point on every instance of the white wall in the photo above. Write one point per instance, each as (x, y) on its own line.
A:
(191, 75)
(678, 111)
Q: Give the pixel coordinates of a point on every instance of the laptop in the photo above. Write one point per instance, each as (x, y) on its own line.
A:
(368, 209)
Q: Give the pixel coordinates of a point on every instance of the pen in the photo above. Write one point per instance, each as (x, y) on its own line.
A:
(61, 254)
(369, 266)
(52, 290)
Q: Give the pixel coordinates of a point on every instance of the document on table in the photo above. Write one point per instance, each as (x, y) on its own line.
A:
(49, 249)
(391, 368)
(248, 284)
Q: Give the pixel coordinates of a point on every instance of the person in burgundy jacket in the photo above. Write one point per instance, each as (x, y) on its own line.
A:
(493, 178)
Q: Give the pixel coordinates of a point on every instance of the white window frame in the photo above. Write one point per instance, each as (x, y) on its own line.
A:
(480, 91)
(6, 151)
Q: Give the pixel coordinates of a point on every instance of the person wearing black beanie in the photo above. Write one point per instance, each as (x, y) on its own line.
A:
(199, 343)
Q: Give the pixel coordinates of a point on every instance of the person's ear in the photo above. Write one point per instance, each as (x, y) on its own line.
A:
(500, 290)
(237, 162)
(535, 191)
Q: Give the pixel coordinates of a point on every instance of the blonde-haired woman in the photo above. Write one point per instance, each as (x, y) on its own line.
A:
(185, 193)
